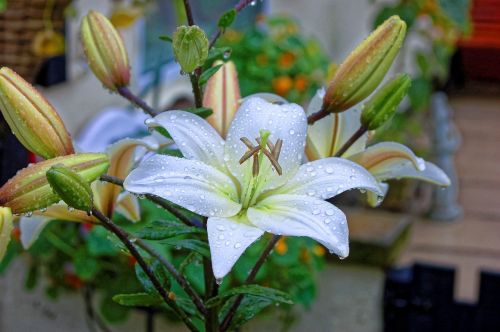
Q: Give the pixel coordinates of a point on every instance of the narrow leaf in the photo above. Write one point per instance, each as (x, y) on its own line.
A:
(208, 73)
(190, 244)
(218, 53)
(166, 38)
(158, 271)
(249, 307)
(203, 112)
(138, 300)
(255, 290)
(227, 19)
(165, 231)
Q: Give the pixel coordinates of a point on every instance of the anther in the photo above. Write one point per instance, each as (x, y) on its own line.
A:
(270, 150)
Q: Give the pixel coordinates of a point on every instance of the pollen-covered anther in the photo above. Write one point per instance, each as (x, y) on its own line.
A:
(272, 153)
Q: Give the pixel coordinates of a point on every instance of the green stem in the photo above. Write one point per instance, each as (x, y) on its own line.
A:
(226, 322)
(124, 237)
(361, 130)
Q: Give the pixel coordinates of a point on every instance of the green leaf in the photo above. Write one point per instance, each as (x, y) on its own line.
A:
(249, 307)
(166, 38)
(112, 311)
(160, 230)
(138, 300)
(227, 19)
(160, 273)
(207, 74)
(3, 5)
(203, 112)
(99, 243)
(162, 131)
(255, 290)
(86, 267)
(216, 53)
(190, 244)
(191, 258)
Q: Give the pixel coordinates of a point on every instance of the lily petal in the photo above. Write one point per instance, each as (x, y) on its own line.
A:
(386, 154)
(326, 136)
(191, 184)
(61, 211)
(31, 228)
(6, 227)
(375, 200)
(328, 177)
(194, 136)
(298, 215)
(286, 122)
(228, 239)
(128, 205)
(123, 155)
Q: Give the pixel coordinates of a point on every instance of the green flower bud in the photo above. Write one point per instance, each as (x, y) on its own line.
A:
(29, 189)
(106, 54)
(383, 105)
(6, 227)
(363, 70)
(190, 46)
(32, 118)
(70, 187)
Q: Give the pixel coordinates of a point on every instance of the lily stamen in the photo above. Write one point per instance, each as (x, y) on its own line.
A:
(272, 153)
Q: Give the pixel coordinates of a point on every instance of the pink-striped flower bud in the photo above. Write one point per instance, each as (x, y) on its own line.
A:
(363, 70)
(32, 118)
(106, 54)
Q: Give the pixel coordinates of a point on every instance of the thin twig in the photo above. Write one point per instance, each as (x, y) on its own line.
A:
(198, 302)
(361, 130)
(317, 116)
(239, 7)
(189, 12)
(211, 290)
(124, 238)
(157, 200)
(267, 250)
(195, 84)
(135, 100)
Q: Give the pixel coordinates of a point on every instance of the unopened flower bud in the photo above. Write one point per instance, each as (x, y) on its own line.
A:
(73, 189)
(363, 70)
(32, 118)
(29, 189)
(190, 45)
(383, 105)
(6, 227)
(222, 95)
(106, 54)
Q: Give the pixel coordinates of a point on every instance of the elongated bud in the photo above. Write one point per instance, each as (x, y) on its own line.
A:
(222, 95)
(6, 227)
(32, 118)
(106, 54)
(190, 44)
(363, 70)
(73, 189)
(29, 189)
(384, 103)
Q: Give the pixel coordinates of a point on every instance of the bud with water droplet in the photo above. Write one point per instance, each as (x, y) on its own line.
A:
(6, 227)
(73, 189)
(105, 52)
(363, 70)
(190, 45)
(29, 189)
(32, 119)
(383, 105)
(222, 95)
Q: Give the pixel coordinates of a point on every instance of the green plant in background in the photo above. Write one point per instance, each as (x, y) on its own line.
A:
(274, 56)
(439, 24)
(201, 218)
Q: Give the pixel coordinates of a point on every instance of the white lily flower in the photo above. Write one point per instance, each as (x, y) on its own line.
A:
(385, 161)
(244, 200)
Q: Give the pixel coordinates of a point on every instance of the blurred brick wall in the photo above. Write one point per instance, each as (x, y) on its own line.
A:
(18, 27)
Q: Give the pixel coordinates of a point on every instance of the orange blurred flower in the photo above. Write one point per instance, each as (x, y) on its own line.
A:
(282, 84)
(319, 250)
(281, 247)
(286, 60)
(301, 83)
(305, 256)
